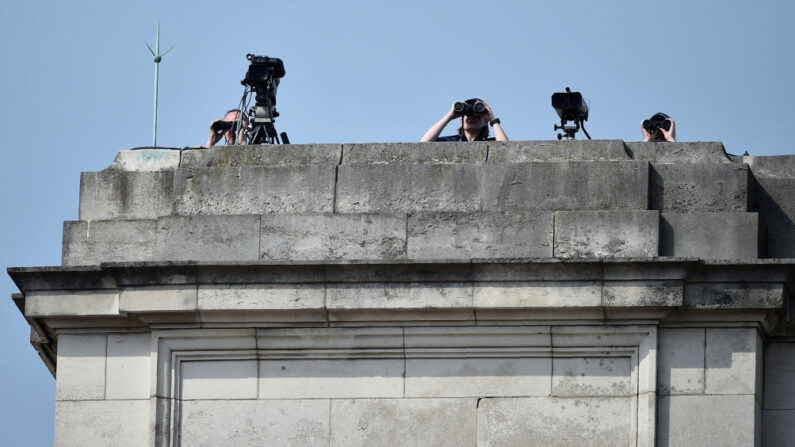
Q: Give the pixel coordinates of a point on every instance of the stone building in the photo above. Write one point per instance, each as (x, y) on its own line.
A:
(444, 294)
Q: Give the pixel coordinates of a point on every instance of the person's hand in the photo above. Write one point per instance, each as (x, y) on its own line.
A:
(669, 134)
(646, 134)
(489, 114)
(213, 138)
(452, 114)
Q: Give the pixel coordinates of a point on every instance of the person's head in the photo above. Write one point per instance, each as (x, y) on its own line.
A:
(476, 122)
(230, 135)
(655, 129)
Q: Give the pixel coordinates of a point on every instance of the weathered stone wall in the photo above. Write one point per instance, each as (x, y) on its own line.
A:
(543, 293)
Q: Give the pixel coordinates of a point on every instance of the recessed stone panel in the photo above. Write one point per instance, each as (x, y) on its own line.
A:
(250, 423)
(555, 421)
(219, 379)
(474, 377)
(431, 422)
(338, 379)
(591, 376)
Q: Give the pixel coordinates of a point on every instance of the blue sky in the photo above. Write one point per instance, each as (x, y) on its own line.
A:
(77, 84)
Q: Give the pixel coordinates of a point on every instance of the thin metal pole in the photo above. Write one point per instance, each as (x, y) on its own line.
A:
(157, 58)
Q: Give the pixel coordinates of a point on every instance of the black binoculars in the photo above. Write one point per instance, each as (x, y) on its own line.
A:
(654, 124)
(465, 108)
(220, 127)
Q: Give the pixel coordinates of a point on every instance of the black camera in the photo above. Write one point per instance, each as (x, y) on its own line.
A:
(263, 69)
(469, 107)
(263, 78)
(659, 121)
(220, 127)
(570, 106)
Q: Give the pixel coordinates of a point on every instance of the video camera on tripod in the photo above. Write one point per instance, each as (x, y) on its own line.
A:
(263, 79)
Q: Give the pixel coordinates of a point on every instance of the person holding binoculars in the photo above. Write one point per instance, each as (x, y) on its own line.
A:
(476, 116)
(660, 127)
(226, 128)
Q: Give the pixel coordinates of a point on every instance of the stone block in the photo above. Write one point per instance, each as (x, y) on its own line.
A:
(681, 361)
(733, 361)
(555, 422)
(129, 366)
(249, 423)
(537, 294)
(119, 423)
(699, 187)
(554, 186)
(775, 202)
(706, 420)
(107, 195)
(679, 152)
(336, 379)
(557, 150)
(93, 242)
(146, 160)
(263, 155)
(333, 236)
(399, 153)
(474, 377)
(778, 427)
(158, 298)
(261, 297)
(382, 338)
(431, 422)
(81, 367)
(480, 235)
(401, 188)
(642, 293)
(591, 376)
(207, 238)
(606, 234)
(399, 296)
(71, 303)
(728, 236)
(219, 379)
(254, 190)
(780, 376)
(731, 295)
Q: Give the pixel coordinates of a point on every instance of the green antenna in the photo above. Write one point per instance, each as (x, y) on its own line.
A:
(157, 58)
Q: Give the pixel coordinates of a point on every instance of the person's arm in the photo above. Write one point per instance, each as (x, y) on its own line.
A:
(433, 133)
(213, 138)
(670, 133)
(499, 134)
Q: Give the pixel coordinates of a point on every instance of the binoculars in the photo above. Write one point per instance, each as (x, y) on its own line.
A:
(652, 125)
(465, 108)
(220, 127)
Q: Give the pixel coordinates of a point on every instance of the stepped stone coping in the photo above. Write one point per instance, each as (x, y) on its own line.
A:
(155, 159)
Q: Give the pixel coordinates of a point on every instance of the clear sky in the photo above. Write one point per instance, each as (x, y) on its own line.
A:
(77, 84)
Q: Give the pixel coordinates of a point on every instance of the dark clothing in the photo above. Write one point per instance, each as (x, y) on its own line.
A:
(458, 138)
